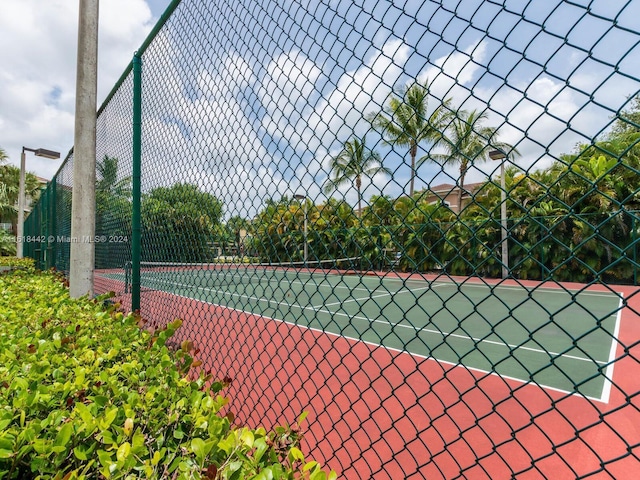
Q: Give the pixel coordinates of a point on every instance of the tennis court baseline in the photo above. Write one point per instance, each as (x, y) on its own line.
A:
(556, 338)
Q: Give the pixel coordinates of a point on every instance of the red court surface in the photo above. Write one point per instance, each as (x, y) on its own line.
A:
(384, 414)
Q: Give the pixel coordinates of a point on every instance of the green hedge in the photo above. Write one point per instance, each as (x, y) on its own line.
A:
(15, 262)
(86, 393)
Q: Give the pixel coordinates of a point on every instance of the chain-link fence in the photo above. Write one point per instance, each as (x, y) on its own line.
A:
(417, 221)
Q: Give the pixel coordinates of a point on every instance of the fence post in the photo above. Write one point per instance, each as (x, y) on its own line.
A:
(44, 230)
(53, 231)
(634, 243)
(137, 158)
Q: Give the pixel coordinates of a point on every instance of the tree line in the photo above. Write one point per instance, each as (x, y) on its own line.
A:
(9, 189)
(575, 220)
(405, 121)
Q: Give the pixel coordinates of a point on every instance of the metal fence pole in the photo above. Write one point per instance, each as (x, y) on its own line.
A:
(634, 242)
(53, 231)
(137, 157)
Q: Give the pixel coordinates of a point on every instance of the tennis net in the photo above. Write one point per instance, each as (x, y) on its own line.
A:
(158, 275)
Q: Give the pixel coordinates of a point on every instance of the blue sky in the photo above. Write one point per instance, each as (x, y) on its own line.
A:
(264, 93)
(38, 55)
(158, 6)
(255, 101)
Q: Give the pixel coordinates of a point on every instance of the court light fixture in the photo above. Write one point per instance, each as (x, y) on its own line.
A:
(497, 155)
(43, 152)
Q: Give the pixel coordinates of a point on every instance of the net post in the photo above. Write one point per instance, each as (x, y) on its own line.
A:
(634, 243)
(137, 159)
(127, 276)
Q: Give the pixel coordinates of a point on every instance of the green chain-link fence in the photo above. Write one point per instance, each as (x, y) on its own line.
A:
(417, 221)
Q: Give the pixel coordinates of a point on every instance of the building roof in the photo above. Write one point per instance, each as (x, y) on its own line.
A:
(447, 187)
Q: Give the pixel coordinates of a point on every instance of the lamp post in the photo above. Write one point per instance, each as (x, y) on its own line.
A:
(306, 246)
(500, 155)
(83, 196)
(39, 152)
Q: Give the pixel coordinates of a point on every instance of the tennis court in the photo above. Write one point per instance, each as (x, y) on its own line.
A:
(554, 337)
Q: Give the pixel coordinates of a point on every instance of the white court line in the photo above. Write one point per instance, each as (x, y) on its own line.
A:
(267, 279)
(431, 284)
(369, 297)
(523, 289)
(606, 390)
(394, 325)
(392, 349)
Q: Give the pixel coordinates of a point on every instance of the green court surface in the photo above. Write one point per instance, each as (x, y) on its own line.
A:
(553, 337)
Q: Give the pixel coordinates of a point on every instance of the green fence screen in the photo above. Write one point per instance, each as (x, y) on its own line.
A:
(417, 221)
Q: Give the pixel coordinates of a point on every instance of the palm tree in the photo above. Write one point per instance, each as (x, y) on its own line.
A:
(353, 162)
(113, 211)
(405, 121)
(9, 191)
(467, 141)
(5, 205)
(380, 211)
(107, 181)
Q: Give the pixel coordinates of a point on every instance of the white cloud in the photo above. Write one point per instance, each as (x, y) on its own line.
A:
(450, 74)
(542, 116)
(238, 72)
(289, 82)
(297, 113)
(228, 111)
(204, 137)
(357, 93)
(38, 56)
(285, 92)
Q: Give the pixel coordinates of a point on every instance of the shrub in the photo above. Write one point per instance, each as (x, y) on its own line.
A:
(15, 262)
(86, 393)
(7, 243)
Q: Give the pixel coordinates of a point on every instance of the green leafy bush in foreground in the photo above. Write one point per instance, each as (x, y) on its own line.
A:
(85, 393)
(15, 262)
(7, 243)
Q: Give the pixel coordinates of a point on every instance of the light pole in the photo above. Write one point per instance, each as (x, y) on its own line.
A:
(500, 155)
(83, 196)
(306, 247)
(39, 152)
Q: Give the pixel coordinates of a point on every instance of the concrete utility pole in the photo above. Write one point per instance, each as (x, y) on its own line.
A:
(83, 207)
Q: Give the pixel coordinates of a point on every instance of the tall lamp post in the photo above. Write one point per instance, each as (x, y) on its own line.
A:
(306, 246)
(500, 155)
(83, 196)
(39, 152)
